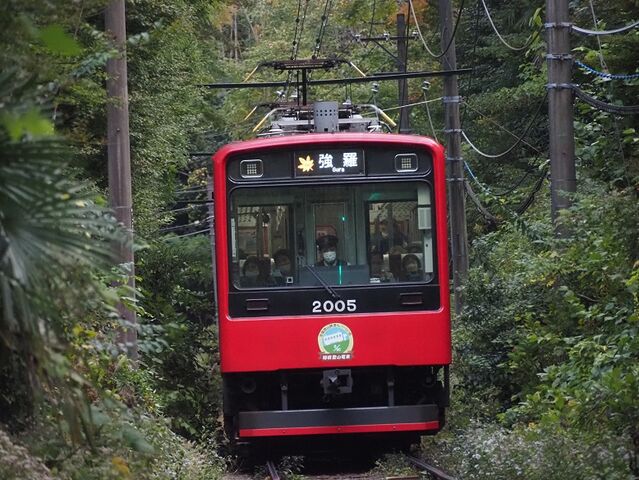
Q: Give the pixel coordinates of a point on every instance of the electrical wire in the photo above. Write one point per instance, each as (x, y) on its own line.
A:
(528, 201)
(432, 100)
(174, 237)
(614, 31)
(598, 37)
(320, 36)
(519, 139)
(474, 177)
(191, 190)
(186, 225)
(492, 219)
(430, 118)
(297, 25)
(452, 37)
(183, 209)
(297, 39)
(501, 127)
(606, 107)
(370, 28)
(474, 56)
(502, 39)
(602, 62)
(611, 76)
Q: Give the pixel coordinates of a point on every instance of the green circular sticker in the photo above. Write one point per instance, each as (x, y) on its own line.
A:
(335, 339)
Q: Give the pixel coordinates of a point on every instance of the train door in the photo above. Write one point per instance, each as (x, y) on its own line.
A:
(331, 215)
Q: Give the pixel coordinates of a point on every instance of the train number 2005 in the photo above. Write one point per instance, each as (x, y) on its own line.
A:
(338, 306)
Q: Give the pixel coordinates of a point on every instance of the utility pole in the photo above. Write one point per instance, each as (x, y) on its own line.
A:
(119, 159)
(401, 61)
(404, 125)
(560, 107)
(454, 161)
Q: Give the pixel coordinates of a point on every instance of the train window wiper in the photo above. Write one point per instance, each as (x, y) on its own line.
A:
(326, 286)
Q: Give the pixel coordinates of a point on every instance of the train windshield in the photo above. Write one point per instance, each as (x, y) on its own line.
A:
(301, 236)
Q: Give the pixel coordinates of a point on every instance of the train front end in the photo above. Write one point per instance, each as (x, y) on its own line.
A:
(332, 287)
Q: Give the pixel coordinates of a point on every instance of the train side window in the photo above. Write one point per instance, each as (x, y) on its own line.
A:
(400, 236)
(259, 235)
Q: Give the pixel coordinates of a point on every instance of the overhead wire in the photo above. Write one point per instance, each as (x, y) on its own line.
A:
(614, 31)
(320, 35)
(502, 39)
(168, 238)
(474, 56)
(452, 37)
(186, 225)
(606, 107)
(430, 118)
(182, 209)
(528, 201)
(519, 139)
(501, 127)
(297, 39)
(602, 62)
(610, 76)
(492, 219)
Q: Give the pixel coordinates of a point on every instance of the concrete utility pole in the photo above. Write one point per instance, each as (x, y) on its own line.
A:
(452, 129)
(560, 107)
(404, 125)
(119, 157)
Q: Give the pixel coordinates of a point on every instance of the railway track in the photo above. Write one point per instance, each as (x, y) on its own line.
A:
(434, 472)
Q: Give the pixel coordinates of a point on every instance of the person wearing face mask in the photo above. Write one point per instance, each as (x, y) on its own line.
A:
(283, 273)
(327, 245)
(411, 267)
(251, 273)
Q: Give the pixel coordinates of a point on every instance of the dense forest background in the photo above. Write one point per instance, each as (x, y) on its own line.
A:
(546, 372)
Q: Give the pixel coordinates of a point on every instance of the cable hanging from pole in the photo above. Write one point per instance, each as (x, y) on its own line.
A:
(492, 219)
(528, 201)
(611, 76)
(606, 107)
(419, 31)
(168, 238)
(519, 139)
(585, 31)
(502, 39)
(501, 127)
(425, 88)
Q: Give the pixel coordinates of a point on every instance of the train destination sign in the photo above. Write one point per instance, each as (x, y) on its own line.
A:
(329, 163)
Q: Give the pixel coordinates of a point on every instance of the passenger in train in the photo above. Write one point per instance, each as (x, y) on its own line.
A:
(283, 273)
(378, 269)
(327, 245)
(382, 241)
(255, 274)
(411, 268)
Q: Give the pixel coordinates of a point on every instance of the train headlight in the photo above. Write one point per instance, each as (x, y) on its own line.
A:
(406, 162)
(251, 168)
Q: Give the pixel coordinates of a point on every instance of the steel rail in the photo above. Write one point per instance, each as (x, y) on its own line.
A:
(439, 474)
(272, 471)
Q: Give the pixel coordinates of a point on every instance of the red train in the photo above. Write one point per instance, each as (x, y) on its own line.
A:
(332, 283)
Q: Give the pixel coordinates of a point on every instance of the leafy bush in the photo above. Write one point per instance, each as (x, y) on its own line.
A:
(179, 295)
(488, 451)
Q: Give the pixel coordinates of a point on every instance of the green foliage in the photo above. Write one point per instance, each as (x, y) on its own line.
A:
(532, 452)
(553, 323)
(179, 296)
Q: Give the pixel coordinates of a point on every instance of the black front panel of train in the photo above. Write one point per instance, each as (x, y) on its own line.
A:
(314, 301)
(277, 169)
